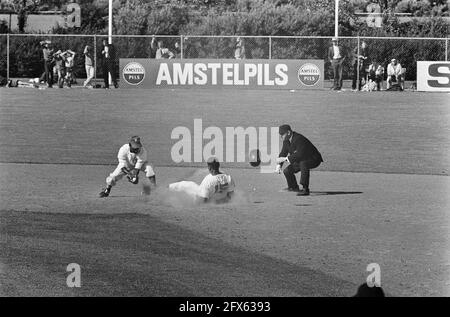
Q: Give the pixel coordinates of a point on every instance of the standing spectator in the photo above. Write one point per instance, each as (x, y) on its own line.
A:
(379, 75)
(189, 49)
(336, 56)
(161, 51)
(359, 65)
(394, 73)
(47, 53)
(89, 65)
(239, 49)
(60, 67)
(69, 60)
(177, 49)
(108, 59)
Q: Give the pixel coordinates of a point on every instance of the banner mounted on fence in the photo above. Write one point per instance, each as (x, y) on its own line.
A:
(433, 76)
(210, 73)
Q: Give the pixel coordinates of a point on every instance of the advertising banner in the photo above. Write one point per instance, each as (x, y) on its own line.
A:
(213, 73)
(433, 76)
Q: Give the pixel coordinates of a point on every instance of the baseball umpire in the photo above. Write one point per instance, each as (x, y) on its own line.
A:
(132, 159)
(302, 156)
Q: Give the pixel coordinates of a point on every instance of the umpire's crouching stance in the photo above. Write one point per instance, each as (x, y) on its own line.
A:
(302, 156)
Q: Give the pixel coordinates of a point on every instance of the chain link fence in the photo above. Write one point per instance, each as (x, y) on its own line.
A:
(21, 54)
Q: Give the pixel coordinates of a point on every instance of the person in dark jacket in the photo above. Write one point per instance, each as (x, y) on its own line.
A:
(301, 155)
(336, 56)
(108, 64)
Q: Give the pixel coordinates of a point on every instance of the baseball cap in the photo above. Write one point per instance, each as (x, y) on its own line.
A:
(284, 128)
(334, 39)
(135, 142)
(214, 162)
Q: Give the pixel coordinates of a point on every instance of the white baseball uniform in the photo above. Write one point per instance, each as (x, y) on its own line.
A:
(213, 187)
(130, 160)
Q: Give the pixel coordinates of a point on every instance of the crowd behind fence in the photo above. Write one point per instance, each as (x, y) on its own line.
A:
(21, 54)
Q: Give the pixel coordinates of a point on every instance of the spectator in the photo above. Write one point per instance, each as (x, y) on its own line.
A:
(108, 59)
(189, 49)
(375, 74)
(48, 62)
(394, 73)
(177, 49)
(336, 56)
(161, 51)
(359, 65)
(379, 75)
(239, 49)
(60, 67)
(89, 65)
(69, 59)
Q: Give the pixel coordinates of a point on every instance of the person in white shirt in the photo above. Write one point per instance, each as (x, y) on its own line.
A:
(132, 159)
(216, 187)
(336, 56)
(89, 65)
(161, 52)
(69, 59)
(239, 51)
(394, 73)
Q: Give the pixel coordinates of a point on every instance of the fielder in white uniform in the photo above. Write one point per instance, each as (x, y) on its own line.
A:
(132, 159)
(217, 187)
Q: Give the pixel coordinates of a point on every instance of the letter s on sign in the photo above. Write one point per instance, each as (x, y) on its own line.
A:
(435, 70)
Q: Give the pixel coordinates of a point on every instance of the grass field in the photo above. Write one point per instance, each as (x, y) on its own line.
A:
(380, 196)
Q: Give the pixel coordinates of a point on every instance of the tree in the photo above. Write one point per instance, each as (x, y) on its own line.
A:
(23, 8)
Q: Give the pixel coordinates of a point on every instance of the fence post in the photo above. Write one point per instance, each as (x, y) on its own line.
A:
(270, 47)
(95, 59)
(357, 67)
(7, 57)
(446, 49)
(182, 45)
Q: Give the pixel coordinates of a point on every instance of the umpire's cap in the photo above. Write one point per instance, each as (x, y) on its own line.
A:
(284, 128)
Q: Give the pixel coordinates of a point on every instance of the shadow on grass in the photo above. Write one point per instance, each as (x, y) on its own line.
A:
(334, 193)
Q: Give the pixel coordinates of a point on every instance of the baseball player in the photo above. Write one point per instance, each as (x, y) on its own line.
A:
(132, 159)
(217, 187)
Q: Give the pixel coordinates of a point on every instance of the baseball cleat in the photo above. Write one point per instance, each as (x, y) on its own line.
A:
(104, 193)
(303, 192)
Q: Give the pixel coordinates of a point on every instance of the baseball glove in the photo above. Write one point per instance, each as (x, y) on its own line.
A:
(132, 175)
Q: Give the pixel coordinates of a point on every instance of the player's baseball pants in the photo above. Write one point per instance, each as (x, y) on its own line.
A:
(117, 174)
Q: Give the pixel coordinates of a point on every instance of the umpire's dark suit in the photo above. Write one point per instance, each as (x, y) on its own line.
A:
(303, 156)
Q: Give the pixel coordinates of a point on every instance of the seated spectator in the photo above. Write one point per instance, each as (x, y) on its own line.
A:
(375, 74)
(394, 73)
(161, 51)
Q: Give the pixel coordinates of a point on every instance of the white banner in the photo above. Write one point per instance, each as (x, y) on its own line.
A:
(433, 76)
